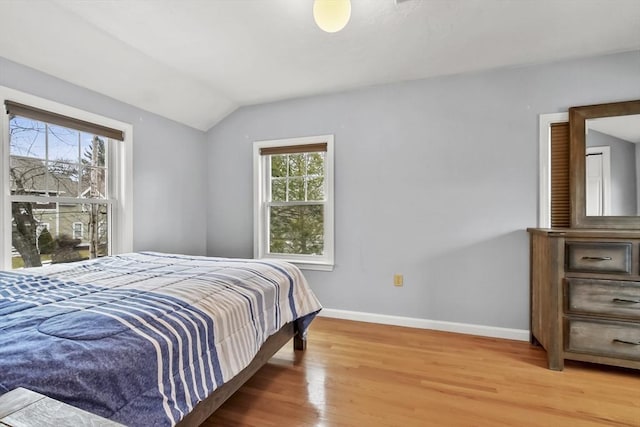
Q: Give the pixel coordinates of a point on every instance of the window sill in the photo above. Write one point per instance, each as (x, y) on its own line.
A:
(303, 265)
(308, 266)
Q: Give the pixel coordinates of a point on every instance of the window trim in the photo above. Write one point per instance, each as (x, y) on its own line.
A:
(122, 220)
(308, 262)
(73, 230)
(60, 120)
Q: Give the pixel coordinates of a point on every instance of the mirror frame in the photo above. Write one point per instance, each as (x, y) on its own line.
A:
(577, 149)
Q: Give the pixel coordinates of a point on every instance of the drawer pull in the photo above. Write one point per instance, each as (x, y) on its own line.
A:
(626, 301)
(597, 258)
(626, 342)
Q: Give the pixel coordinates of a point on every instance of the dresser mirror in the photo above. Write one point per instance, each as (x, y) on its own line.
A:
(605, 165)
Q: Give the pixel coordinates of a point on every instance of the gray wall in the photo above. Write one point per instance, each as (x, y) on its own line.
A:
(435, 179)
(169, 167)
(623, 172)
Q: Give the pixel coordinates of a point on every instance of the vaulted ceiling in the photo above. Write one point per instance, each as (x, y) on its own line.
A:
(195, 61)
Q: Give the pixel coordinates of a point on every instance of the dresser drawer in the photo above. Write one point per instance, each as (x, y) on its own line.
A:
(612, 339)
(603, 297)
(598, 257)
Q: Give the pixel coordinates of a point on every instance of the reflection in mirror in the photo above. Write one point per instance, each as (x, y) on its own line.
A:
(612, 165)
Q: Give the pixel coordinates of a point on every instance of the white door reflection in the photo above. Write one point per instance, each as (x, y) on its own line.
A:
(617, 191)
(598, 181)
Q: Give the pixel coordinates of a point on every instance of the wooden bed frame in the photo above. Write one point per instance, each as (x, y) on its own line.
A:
(274, 343)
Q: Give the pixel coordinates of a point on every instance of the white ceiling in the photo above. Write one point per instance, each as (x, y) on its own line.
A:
(195, 61)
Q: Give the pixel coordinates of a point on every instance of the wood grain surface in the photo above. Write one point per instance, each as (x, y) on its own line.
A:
(25, 408)
(363, 374)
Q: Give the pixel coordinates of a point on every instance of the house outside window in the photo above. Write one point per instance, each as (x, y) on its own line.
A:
(293, 186)
(68, 173)
(42, 226)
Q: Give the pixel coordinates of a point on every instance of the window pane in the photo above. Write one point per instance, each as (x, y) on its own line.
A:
(73, 232)
(62, 179)
(63, 144)
(315, 189)
(278, 189)
(297, 230)
(315, 164)
(278, 165)
(27, 137)
(296, 189)
(94, 150)
(28, 175)
(305, 173)
(94, 181)
(296, 164)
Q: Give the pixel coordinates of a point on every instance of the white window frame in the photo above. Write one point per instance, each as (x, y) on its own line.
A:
(73, 230)
(121, 233)
(261, 169)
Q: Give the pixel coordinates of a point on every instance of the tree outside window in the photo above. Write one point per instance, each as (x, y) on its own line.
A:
(294, 201)
(58, 177)
(296, 219)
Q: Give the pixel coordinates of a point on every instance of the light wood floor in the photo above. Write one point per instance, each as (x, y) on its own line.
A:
(363, 374)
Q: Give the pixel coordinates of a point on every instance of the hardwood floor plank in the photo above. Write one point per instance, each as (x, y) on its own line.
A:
(363, 374)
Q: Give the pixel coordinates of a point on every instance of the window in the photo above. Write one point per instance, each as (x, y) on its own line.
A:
(293, 186)
(77, 232)
(64, 168)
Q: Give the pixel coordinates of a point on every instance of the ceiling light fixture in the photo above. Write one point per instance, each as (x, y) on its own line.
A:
(331, 15)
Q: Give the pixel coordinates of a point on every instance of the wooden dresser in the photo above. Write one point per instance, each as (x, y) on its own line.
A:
(585, 295)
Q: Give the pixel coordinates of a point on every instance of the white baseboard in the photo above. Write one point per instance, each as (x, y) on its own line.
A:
(438, 325)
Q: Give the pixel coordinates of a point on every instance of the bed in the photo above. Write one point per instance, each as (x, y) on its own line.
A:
(148, 338)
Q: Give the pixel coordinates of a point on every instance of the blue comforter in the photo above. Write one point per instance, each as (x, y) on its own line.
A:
(142, 338)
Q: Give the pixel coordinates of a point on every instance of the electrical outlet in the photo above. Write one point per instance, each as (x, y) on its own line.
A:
(398, 280)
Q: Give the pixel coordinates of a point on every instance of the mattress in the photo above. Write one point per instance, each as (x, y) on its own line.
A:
(141, 338)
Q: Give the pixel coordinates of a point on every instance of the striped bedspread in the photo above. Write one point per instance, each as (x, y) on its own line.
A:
(142, 338)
